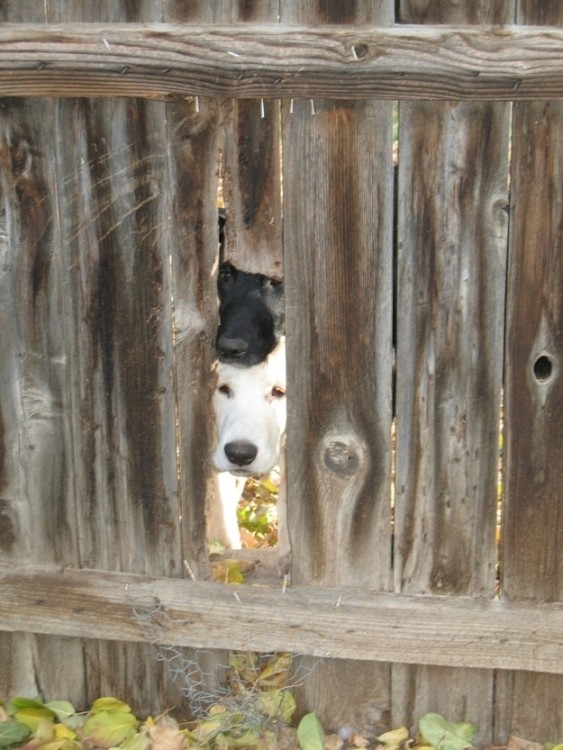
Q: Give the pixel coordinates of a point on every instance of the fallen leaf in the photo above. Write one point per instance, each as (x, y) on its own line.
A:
(275, 673)
(205, 730)
(12, 732)
(334, 742)
(519, 743)
(278, 704)
(63, 710)
(167, 738)
(393, 739)
(109, 705)
(356, 740)
(62, 732)
(45, 730)
(310, 733)
(446, 735)
(108, 729)
(227, 571)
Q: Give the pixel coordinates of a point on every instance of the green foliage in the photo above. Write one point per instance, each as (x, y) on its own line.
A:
(446, 735)
(12, 733)
(256, 716)
(310, 733)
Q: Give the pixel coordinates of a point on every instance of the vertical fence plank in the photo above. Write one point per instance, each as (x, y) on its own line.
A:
(252, 166)
(38, 518)
(451, 263)
(112, 175)
(112, 179)
(532, 533)
(97, 359)
(338, 256)
(37, 512)
(194, 132)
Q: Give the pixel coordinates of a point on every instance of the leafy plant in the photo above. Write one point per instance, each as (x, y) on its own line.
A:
(310, 733)
(446, 735)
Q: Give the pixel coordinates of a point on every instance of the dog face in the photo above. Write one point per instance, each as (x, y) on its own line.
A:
(251, 316)
(250, 413)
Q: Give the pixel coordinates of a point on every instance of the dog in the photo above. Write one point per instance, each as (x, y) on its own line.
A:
(249, 406)
(251, 312)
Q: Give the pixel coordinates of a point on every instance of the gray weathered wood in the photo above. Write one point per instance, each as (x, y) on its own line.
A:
(532, 536)
(112, 175)
(338, 255)
(251, 165)
(37, 513)
(452, 196)
(252, 61)
(342, 622)
(193, 135)
(101, 482)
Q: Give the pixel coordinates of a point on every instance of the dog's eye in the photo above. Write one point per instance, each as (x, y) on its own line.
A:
(225, 390)
(226, 274)
(267, 282)
(278, 391)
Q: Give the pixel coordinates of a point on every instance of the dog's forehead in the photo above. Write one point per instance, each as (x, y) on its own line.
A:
(257, 378)
(249, 379)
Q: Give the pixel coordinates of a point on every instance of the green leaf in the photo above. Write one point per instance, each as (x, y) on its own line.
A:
(278, 704)
(139, 741)
(109, 729)
(446, 735)
(109, 705)
(32, 717)
(18, 702)
(226, 740)
(12, 732)
(62, 710)
(310, 733)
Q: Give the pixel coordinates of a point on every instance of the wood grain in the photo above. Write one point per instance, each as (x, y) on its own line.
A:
(452, 242)
(251, 166)
(269, 61)
(343, 622)
(338, 254)
(532, 538)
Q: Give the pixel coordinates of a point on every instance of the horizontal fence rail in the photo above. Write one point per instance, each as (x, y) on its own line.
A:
(324, 622)
(277, 61)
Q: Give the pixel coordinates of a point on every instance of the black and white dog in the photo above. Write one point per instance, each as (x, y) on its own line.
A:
(251, 312)
(249, 398)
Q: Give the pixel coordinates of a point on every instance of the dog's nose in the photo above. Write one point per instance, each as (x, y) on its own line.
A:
(241, 452)
(232, 348)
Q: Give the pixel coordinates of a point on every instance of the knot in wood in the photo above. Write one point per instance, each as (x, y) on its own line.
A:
(342, 456)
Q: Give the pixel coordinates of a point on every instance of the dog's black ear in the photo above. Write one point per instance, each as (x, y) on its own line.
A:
(222, 222)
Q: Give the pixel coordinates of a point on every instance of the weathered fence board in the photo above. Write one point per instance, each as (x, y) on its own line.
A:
(453, 192)
(249, 61)
(251, 166)
(338, 280)
(532, 537)
(194, 136)
(37, 513)
(115, 249)
(343, 622)
(96, 262)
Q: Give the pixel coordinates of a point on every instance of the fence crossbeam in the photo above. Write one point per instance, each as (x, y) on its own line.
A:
(277, 61)
(323, 622)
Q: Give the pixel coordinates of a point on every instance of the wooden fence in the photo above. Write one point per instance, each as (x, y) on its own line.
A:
(416, 592)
